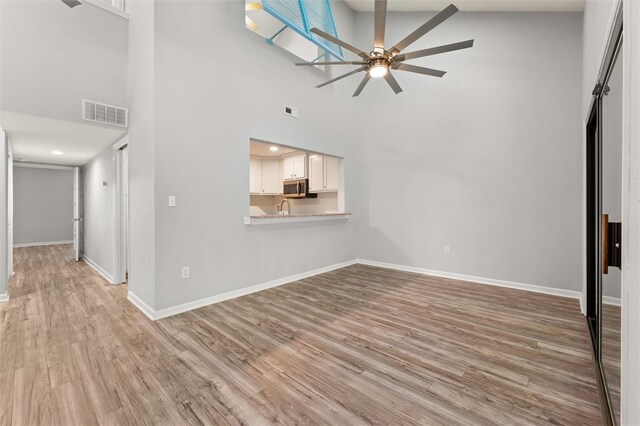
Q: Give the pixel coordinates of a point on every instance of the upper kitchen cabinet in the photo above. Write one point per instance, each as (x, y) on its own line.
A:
(294, 166)
(264, 176)
(323, 173)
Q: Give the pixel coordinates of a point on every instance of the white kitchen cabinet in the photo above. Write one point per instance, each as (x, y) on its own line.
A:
(294, 167)
(255, 176)
(323, 173)
(271, 177)
(330, 173)
(316, 173)
(265, 176)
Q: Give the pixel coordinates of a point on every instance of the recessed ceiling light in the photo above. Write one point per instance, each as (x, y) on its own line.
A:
(313, 156)
(57, 152)
(273, 148)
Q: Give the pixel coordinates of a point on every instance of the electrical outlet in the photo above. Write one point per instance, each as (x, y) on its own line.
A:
(447, 250)
(185, 272)
(172, 200)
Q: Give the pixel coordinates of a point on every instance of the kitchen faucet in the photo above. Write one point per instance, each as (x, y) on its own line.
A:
(280, 208)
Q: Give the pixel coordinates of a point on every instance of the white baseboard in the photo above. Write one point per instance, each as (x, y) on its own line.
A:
(139, 303)
(98, 269)
(4, 297)
(481, 280)
(615, 301)
(46, 243)
(178, 309)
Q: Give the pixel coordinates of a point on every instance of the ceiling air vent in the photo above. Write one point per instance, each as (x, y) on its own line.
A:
(105, 114)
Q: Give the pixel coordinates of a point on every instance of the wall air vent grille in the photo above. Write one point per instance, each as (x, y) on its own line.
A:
(105, 114)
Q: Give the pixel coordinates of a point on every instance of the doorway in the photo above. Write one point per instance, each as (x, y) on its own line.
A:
(604, 224)
(121, 211)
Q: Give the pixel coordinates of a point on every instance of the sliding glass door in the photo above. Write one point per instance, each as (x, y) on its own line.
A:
(604, 227)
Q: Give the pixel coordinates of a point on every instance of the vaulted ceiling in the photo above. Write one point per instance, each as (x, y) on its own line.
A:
(474, 5)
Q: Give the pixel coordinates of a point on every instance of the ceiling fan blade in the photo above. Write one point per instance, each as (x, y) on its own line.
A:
(434, 50)
(419, 70)
(71, 3)
(425, 28)
(364, 82)
(329, 63)
(339, 42)
(393, 83)
(380, 24)
(341, 77)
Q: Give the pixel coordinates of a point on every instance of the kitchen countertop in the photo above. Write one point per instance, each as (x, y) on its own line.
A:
(290, 218)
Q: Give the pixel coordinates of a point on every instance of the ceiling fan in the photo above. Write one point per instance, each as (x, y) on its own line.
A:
(381, 61)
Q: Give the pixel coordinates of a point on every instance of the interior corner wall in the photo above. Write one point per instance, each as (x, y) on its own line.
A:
(485, 160)
(98, 212)
(43, 205)
(141, 100)
(206, 112)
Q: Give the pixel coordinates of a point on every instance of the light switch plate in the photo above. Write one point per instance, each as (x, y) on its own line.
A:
(172, 200)
(185, 272)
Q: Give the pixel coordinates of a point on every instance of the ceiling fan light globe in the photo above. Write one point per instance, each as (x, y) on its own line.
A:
(378, 71)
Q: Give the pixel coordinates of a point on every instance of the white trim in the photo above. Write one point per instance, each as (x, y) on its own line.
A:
(118, 246)
(42, 166)
(178, 309)
(121, 143)
(98, 269)
(480, 280)
(44, 243)
(109, 8)
(4, 297)
(608, 300)
(143, 307)
(268, 220)
(185, 307)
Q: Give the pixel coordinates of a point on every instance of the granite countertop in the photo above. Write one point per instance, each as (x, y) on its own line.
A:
(284, 216)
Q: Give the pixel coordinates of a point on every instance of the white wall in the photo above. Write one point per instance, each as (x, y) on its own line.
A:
(485, 160)
(631, 219)
(98, 215)
(141, 96)
(53, 56)
(43, 205)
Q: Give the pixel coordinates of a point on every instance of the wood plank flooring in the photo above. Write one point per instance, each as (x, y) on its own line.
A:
(359, 345)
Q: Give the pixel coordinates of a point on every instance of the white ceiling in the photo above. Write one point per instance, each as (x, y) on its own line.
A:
(33, 138)
(474, 5)
(263, 149)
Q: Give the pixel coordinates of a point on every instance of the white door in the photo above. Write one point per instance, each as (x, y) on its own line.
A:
(125, 216)
(316, 173)
(77, 229)
(10, 211)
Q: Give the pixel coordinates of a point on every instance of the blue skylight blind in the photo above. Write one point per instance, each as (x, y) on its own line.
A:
(302, 15)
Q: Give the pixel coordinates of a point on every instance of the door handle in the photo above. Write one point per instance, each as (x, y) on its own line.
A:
(611, 244)
(605, 243)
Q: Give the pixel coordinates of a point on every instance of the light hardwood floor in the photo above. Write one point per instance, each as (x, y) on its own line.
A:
(359, 345)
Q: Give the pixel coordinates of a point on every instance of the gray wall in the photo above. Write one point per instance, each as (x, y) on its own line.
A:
(200, 153)
(43, 205)
(486, 160)
(98, 217)
(53, 56)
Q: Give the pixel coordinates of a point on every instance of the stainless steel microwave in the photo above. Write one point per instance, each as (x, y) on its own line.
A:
(298, 188)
